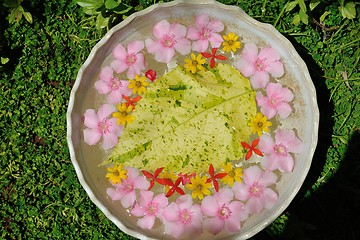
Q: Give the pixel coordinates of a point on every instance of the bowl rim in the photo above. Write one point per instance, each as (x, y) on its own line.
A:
(310, 87)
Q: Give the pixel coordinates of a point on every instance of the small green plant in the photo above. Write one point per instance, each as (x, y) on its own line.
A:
(17, 11)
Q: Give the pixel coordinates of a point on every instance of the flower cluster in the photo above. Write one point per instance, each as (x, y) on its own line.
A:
(187, 204)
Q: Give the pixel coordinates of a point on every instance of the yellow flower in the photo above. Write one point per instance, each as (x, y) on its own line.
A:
(199, 187)
(116, 174)
(138, 85)
(123, 115)
(259, 124)
(233, 175)
(195, 63)
(231, 43)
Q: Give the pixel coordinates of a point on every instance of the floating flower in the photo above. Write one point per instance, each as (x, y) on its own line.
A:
(151, 75)
(116, 173)
(222, 212)
(199, 187)
(170, 38)
(252, 148)
(113, 86)
(131, 59)
(138, 84)
(131, 101)
(195, 63)
(172, 186)
(277, 153)
(232, 175)
(255, 189)
(153, 177)
(260, 124)
(182, 218)
(213, 177)
(259, 65)
(123, 115)
(277, 101)
(149, 208)
(100, 124)
(205, 32)
(125, 191)
(213, 56)
(186, 178)
(231, 42)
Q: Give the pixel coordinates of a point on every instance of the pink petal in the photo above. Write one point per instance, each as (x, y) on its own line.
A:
(259, 79)
(146, 197)
(128, 199)
(269, 54)
(102, 87)
(152, 46)
(161, 28)
(267, 178)
(286, 163)
(141, 183)
(254, 205)
(173, 229)
(283, 109)
(184, 201)
(214, 225)
(238, 208)
(114, 194)
(241, 191)
(276, 69)
(91, 118)
(224, 196)
(125, 90)
(270, 198)
(161, 200)
(193, 33)
(170, 213)
(106, 73)
(232, 224)
(131, 72)
(246, 68)
(91, 136)
(197, 215)
(147, 222)
(106, 110)
(251, 175)
(138, 210)
(120, 52)
(165, 55)
(268, 111)
(183, 46)
(114, 127)
(200, 45)
(273, 90)
(286, 95)
(119, 66)
(216, 25)
(284, 136)
(110, 140)
(266, 144)
(270, 162)
(178, 30)
(135, 47)
(250, 52)
(114, 97)
(210, 206)
(295, 146)
(215, 40)
(202, 21)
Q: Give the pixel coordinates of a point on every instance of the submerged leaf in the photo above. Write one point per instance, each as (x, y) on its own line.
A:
(186, 122)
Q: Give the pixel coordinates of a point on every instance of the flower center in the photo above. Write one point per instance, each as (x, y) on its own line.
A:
(168, 41)
(124, 113)
(205, 34)
(260, 64)
(138, 84)
(260, 124)
(273, 101)
(224, 212)
(256, 190)
(195, 63)
(127, 186)
(184, 216)
(199, 187)
(231, 174)
(130, 59)
(116, 173)
(103, 126)
(152, 208)
(230, 43)
(281, 150)
(115, 83)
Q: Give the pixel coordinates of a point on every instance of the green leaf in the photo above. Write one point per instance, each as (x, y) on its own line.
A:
(290, 6)
(4, 60)
(296, 20)
(122, 8)
(110, 4)
(90, 3)
(348, 11)
(184, 122)
(324, 15)
(304, 17)
(313, 4)
(302, 5)
(28, 17)
(101, 22)
(11, 3)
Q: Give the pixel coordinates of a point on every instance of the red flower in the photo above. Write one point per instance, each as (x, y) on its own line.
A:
(151, 75)
(131, 102)
(214, 176)
(174, 187)
(212, 57)
(153, 177)
(252, 148)
(186, 178)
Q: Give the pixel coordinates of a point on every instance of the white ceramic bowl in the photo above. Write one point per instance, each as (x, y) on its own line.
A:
(139, 25)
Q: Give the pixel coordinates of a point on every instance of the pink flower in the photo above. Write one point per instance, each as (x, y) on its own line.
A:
(205, 31)
(125, 191)
(254, 189)
(169, 38)
(223, 212)
(277, 101)
(259, 65)
(113, 86)
(149, 207)
(131, 59)
(183, 219)
(100, 124)
(277, 153)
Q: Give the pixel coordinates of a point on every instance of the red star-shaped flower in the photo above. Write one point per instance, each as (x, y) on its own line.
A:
(252, 148)
(153, 177)
(213, 56)
(131, 102)
(174, 187)
(213, 177)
